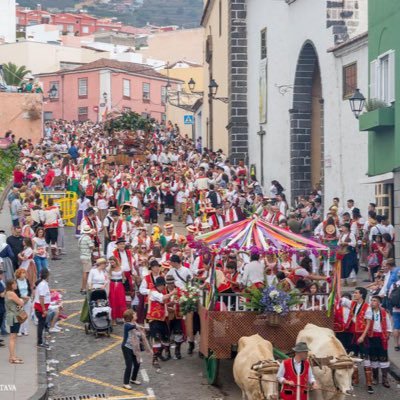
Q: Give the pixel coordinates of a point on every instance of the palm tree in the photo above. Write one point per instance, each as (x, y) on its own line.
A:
(14, 75)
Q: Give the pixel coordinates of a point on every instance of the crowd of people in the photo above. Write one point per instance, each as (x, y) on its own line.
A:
(130, 247)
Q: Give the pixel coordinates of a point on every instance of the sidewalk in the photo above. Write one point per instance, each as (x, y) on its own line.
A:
(20, 380)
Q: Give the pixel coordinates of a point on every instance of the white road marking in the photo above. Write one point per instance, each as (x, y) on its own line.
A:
(145, 376)
(151, 394)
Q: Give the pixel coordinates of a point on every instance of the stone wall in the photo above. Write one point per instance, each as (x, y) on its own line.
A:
(344, 17)
(237, 84)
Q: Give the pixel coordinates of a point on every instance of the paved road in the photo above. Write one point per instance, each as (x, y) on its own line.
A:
(81, 364)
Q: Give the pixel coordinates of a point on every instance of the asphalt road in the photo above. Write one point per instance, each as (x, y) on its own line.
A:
(80, 364)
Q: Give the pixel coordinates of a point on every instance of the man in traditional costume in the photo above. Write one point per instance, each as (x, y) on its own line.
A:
(359, 323)
(296, 376)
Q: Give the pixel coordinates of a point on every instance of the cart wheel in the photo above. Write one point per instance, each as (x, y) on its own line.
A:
(96, 334)
(108, 332)
(87, 329)
(211, 365)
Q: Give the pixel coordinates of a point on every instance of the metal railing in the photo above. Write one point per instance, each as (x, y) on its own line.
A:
(235, 302)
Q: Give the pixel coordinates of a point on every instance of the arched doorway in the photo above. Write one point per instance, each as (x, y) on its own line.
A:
(306, 127)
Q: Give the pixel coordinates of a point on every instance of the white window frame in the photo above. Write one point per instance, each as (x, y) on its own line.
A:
(83, 110)
(163, 95)
(85, 29)
(126, 88)
(377, 86)
(83, 89)
(146, 93)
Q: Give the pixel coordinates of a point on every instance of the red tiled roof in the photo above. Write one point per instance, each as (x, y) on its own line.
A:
(133, 68)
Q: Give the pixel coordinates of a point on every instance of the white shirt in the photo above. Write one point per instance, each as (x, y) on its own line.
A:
(154, 295)
(181, 276)
(376, 320)
(347, 303)
(143, 289)
(297, 366)
(43, 290)
(97, 278)
(351, 237)
(253, 272)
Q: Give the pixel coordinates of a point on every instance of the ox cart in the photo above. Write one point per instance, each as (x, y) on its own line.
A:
(221, 330)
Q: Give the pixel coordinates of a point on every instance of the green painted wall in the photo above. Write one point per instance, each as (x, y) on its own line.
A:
(384, 35)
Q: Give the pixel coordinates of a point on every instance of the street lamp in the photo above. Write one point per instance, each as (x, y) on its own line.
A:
(52, 92)
(357, 102)
(213, 88)
(191, 84)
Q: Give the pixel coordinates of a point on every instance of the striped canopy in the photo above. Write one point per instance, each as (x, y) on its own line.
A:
(261, 234)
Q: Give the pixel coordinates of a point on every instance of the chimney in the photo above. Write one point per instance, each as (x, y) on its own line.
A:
(39, 7)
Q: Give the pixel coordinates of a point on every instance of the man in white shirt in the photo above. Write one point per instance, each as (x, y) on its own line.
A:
(181, 274)
(253, 273)
(292, 379)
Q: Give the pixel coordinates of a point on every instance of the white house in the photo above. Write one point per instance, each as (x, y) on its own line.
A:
(305, 59)
(8, 21)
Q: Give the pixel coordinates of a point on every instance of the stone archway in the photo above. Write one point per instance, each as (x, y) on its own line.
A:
(306, 125)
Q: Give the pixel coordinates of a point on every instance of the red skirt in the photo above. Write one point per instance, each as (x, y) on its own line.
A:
(116, 299)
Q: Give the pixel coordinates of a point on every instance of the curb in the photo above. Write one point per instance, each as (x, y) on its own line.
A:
(42, 392)
(394, 371)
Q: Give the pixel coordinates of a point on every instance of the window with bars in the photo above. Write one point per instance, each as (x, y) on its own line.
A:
(82, 87)
(263, 44)
(349, 80)
(126, 88)
(146, 92)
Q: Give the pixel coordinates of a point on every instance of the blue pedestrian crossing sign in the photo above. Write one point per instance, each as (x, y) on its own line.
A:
(188, 119)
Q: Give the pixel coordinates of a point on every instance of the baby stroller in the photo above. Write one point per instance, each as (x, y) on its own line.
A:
(99, 313)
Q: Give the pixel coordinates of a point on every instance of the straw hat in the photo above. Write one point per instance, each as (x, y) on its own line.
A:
(191, 229)
(168, 226)
(101, 261)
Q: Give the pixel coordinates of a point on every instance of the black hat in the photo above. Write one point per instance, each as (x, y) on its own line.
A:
(175, 258)
(121, 240)
(90, 210)
(154, 263)
(160, 281)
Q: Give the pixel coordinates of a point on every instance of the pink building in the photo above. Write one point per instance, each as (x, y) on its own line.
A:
(94, 89)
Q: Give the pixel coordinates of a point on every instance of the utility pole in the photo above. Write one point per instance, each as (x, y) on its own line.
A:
(261, 133)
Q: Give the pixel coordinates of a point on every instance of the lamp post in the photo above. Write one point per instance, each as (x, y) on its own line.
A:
(52, 92)
(212, 93)
(261, 133)
(357, 102)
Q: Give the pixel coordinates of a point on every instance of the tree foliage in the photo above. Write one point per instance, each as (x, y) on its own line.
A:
(130, 121)
(8, 161)
(14, 75)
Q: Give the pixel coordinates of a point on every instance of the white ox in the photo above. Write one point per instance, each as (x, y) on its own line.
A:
(255, 359)
(335, 370)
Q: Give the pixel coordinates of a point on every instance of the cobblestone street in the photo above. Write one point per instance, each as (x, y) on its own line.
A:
(80, 364)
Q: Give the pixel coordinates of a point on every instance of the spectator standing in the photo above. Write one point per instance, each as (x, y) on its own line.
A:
(16, 210)
(2, 306)
(24, 292)
(41, 305)
(13, 304)
(16, 242)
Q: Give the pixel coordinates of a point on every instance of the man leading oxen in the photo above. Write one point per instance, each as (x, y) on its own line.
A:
(331, 366)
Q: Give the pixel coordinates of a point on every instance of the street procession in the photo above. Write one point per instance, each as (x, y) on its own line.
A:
(185, 253)
(199, 200)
